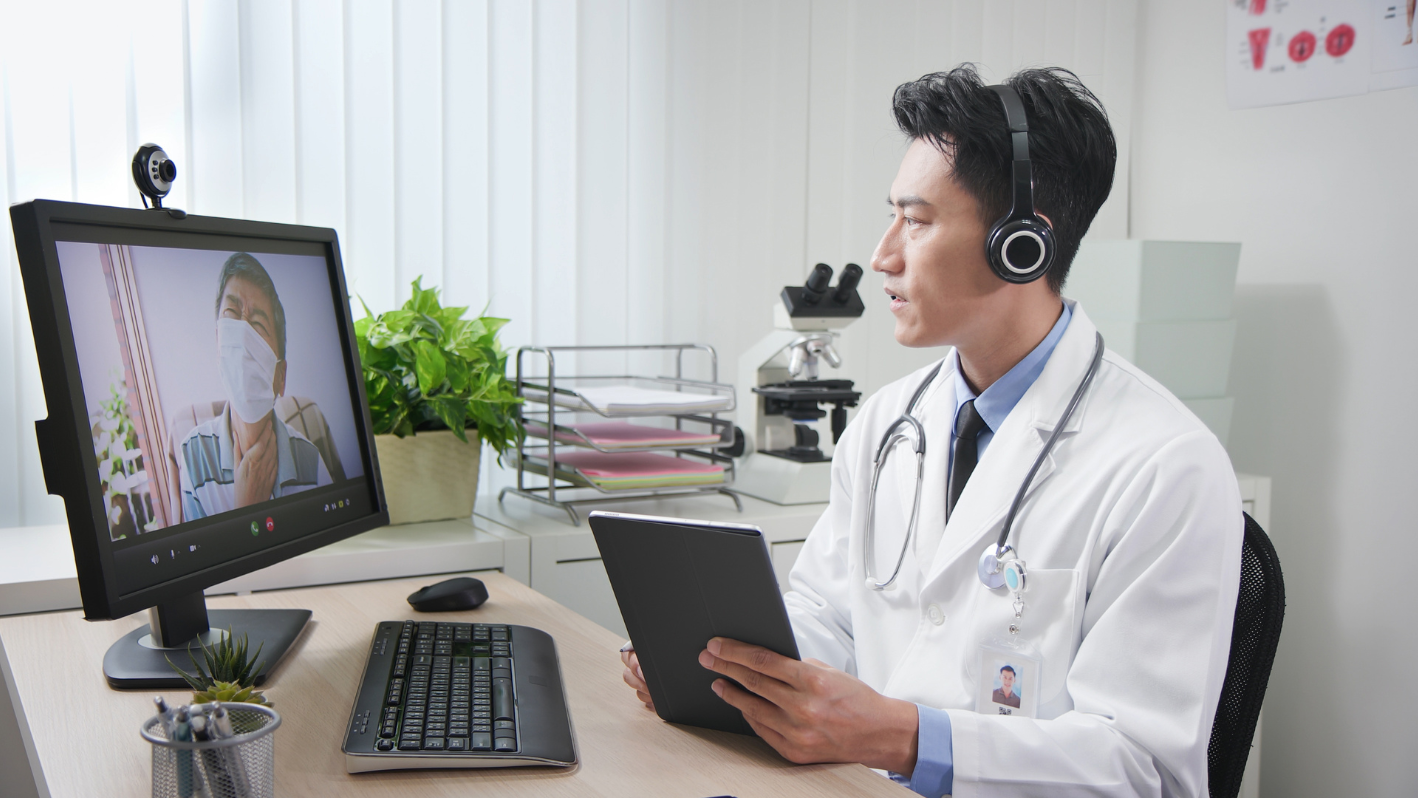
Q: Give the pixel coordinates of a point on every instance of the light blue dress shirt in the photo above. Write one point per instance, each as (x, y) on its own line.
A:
(935, 759)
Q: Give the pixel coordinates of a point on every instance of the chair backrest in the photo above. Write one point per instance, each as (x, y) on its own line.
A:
(1260, 611)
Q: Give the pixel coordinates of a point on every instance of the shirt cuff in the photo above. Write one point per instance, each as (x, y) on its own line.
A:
(934, 775)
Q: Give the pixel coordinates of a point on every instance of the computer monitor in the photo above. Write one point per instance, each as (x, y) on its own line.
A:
(207, 414)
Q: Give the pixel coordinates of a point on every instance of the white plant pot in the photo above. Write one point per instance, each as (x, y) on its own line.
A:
(431, 476)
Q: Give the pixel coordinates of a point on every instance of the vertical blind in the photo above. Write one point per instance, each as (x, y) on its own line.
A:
(598, 171)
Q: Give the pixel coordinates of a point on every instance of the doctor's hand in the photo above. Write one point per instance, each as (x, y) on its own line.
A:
(255, 467)
(635, 677)
(811, 712)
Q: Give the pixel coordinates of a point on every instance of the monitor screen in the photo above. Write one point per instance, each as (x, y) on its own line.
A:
(221, 396)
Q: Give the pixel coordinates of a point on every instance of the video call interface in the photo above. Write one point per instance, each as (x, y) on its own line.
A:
(217, 392)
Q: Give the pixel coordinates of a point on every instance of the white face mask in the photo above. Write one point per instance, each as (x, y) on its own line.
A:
(248, 369)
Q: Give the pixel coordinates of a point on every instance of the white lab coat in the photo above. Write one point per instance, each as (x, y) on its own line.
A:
(1131, 532)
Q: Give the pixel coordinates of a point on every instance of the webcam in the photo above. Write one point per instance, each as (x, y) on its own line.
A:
(154, 173)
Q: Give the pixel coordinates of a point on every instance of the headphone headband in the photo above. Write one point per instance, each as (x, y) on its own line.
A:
(1022, 194)
(1020, 246)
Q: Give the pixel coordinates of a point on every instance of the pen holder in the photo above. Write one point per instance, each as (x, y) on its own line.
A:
(240, 766)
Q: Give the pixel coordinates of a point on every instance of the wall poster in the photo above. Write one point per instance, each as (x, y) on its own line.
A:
(1395, 54)
(1288, 51)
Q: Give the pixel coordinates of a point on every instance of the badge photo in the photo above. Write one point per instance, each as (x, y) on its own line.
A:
(1008, 681)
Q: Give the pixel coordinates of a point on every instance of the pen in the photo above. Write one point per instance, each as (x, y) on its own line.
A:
(236, 769)
(182, 733)
(208, 764)
(164, 715)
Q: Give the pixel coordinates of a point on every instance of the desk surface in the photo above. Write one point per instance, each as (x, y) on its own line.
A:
(86, 735)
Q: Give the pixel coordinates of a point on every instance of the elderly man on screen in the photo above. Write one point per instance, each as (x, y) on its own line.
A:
(246, 455)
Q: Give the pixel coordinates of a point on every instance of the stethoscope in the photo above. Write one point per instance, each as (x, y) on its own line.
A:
(999, 564)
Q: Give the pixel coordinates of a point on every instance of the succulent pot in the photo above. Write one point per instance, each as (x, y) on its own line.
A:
(431, 476)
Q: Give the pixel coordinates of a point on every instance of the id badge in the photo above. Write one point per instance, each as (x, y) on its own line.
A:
(1009, 673)
(1010, 667)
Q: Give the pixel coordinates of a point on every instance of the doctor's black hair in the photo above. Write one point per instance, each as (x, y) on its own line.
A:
(249, 269)
(1071, 145)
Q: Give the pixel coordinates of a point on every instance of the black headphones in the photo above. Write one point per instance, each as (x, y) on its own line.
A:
(1020, 247)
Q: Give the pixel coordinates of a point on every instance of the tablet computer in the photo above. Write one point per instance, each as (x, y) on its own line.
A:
(680, 583)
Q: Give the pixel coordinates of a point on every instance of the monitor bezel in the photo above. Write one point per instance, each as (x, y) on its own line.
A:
(69, 463)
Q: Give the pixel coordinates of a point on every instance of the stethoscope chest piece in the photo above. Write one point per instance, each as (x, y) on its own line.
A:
(991, 567)
(999, 567)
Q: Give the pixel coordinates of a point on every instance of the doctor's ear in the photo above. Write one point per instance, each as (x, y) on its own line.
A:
(278, 380)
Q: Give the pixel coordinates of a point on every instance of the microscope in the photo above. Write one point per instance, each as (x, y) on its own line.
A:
(780, 389)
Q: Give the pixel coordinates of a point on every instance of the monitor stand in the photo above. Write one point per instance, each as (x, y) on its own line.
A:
(140, 658)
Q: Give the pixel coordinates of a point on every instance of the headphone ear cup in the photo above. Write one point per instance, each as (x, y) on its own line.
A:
(1020, 250)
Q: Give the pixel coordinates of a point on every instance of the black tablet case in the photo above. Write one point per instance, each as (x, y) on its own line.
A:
(679, 583)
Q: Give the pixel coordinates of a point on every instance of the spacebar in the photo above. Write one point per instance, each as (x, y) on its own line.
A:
(502, 700)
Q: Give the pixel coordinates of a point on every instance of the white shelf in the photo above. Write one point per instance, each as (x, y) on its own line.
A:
(37, 574)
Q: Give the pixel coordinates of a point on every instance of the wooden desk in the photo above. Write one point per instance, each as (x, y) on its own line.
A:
(86, 735)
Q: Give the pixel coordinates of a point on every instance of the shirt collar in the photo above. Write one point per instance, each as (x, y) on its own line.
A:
(995, 404)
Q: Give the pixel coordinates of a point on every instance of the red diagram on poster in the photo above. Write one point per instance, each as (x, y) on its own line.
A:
(1302, 46)
(1339, 40)
(1260, 37)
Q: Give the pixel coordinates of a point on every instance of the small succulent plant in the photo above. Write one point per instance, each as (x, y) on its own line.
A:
(229, 693)
(227, 673)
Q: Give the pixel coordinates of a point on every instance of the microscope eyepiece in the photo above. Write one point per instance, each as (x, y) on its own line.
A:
(817, 283)
(847, 283)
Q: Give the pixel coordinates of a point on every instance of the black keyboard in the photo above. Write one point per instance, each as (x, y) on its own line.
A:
(459, 695)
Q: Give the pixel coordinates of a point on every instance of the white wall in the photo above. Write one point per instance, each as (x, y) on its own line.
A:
(599, 171)
(1321, 195)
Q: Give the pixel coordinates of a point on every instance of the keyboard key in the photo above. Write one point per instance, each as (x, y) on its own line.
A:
(457, 743)
(480, 741)
(502, 700)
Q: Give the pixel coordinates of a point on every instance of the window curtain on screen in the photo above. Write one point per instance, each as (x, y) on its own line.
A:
(597, 171)
(138, 481)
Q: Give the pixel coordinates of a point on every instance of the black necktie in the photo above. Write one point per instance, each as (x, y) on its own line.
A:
(966, 453)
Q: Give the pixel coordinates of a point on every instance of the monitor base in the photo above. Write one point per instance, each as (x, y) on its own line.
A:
(131, 665)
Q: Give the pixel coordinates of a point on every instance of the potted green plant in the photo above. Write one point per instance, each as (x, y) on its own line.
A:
(437, 386)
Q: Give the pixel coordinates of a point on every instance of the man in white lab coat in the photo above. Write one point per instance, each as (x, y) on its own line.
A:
(1131, 528)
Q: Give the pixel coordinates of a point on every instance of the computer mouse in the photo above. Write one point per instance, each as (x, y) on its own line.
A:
(458, 593)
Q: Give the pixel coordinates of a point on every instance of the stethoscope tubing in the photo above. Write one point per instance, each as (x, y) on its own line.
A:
(891, 437)
(1049, 445)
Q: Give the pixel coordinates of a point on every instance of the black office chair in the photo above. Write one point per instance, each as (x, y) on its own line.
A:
(1260, 610)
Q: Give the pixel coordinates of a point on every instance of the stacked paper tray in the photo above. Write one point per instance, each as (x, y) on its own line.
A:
(633, 400)
(629, 470)
(621, 435)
